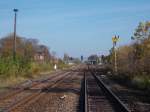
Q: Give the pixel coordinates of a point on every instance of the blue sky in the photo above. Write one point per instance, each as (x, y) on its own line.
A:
(76, 27)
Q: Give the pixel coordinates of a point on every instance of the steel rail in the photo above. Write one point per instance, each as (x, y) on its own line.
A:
(85, 95)
(31, 97)
(119, 105)
(27, 88)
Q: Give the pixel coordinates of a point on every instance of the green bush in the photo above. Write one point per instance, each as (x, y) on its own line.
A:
(122, 79)
(9, 67)
(141, 82)
(12, 72)
(40, 67)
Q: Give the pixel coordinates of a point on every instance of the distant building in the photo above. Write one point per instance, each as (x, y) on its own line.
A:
(39, 56)
(42, 54)
(93, 59)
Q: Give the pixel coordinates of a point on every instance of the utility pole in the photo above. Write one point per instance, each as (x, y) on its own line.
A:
(14, 40)
(115, 40)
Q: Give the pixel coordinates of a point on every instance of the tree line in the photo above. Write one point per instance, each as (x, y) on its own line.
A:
(25, 48)
(31, 57)
(133, 60)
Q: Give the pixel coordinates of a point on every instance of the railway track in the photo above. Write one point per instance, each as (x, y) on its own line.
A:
(19, 89)
(99, 98)
(16, 101)
(131, 97)
(56, 98)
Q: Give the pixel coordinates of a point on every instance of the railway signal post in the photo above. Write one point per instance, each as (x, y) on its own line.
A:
(115, 40)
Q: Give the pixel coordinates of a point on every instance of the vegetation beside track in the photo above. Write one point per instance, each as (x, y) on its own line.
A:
(133, 60)
(31, 59)
(13, 72)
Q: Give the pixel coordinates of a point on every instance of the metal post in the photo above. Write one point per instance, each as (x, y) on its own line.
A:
(85, 94)
(14, 41)
(116, 69)
(115, 40)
